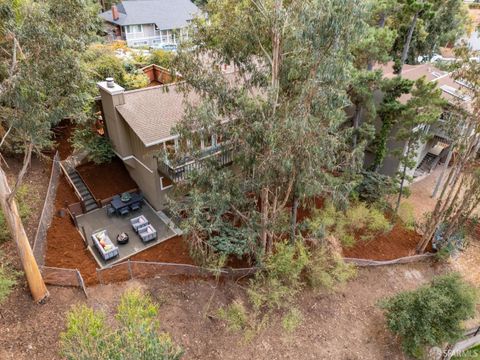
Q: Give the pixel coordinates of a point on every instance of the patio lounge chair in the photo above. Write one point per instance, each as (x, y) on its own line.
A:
(104, 245)
(147, 233)
(138, 222)
(124, 211)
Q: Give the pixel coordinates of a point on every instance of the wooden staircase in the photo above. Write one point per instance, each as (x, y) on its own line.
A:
(87, 198)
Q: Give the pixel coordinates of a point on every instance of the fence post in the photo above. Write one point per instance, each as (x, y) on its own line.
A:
(85, 240)
(99, 277)
(81, 283)
(130, 269)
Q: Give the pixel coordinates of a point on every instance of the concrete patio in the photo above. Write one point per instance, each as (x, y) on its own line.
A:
(97, 220)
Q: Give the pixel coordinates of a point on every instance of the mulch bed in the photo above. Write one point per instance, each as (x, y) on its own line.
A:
(397, 243)
(107, 180)
(65, 246)
(62, 134)
(174, 250)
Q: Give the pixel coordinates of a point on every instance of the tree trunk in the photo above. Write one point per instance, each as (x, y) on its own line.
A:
(442, 174)
(356, 123)
(293, 217)
(402, 182)
(12, 218)
(264, 218)
(408, 40)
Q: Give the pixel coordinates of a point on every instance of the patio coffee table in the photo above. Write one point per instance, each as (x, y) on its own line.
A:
(122, 238)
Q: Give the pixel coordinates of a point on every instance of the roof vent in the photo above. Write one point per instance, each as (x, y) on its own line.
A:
(110, 82)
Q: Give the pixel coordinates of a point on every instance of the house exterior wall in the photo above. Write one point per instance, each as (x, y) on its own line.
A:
(116, 126)
(138, 159)
(150, 37)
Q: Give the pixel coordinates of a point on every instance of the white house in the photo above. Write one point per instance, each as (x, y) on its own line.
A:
(150, 22)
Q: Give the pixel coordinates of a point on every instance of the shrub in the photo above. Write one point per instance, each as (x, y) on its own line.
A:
(272, 289)
(162, 58)
(406, 214)
(24, 210)
(432, 314)
(358, 221)
(89, 335)
(374, 187)
(292, 320)
(326, 271)
(99, 148)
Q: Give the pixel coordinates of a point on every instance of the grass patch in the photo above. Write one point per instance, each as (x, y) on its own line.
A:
(24, 210)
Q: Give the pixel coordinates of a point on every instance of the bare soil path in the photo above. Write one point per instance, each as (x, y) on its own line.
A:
(340, 326)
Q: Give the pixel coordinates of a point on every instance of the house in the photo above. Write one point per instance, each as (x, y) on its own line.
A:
(140, 124)
(150, 22)
(435, 149)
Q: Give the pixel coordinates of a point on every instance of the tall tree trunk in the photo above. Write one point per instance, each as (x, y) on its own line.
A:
(293, 217)
(402, 182)
(442, 174)
(356, 123)
(408, 40)
(264, 218)
(14, 223)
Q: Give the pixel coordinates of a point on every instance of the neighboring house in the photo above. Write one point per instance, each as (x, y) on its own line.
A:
(435, 150)
(150, 22)
(140, 123)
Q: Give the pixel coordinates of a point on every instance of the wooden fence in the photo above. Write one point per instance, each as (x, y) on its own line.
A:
(148, 269)
(63, 277)
(47, 212)
(402, 260)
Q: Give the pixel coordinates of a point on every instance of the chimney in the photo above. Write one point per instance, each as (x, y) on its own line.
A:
(115, 13)
(110, 82)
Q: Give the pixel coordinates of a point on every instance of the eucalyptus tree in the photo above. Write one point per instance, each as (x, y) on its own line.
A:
(421, 110)
(423, 26)
(460, 193)
(282, 112)
(388, 110)
(41, 82)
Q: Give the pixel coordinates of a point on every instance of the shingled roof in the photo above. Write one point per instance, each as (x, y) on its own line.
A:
(153, 112)
(166, 14)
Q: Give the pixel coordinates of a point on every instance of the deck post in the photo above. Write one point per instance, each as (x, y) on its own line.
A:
(130, 269)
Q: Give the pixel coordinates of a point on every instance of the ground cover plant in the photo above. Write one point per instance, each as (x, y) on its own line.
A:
(135, 335)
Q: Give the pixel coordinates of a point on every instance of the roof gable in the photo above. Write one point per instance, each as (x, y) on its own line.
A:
(166, 14)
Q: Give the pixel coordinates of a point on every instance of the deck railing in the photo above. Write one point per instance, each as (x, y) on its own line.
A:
(178, 172)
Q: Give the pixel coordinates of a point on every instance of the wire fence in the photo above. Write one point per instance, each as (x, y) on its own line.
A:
(63, 277)
(39, 244)
(148, 269)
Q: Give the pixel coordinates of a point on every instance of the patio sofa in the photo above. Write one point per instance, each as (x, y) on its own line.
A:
(104, 245)
(147, 233)
(138, 222)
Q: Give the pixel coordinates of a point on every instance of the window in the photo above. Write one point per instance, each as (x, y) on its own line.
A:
(207, 141)
(165, 183)
(140, 43)
(131, 29)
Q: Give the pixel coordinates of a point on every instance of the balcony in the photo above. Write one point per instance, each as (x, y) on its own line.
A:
(178, 171)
